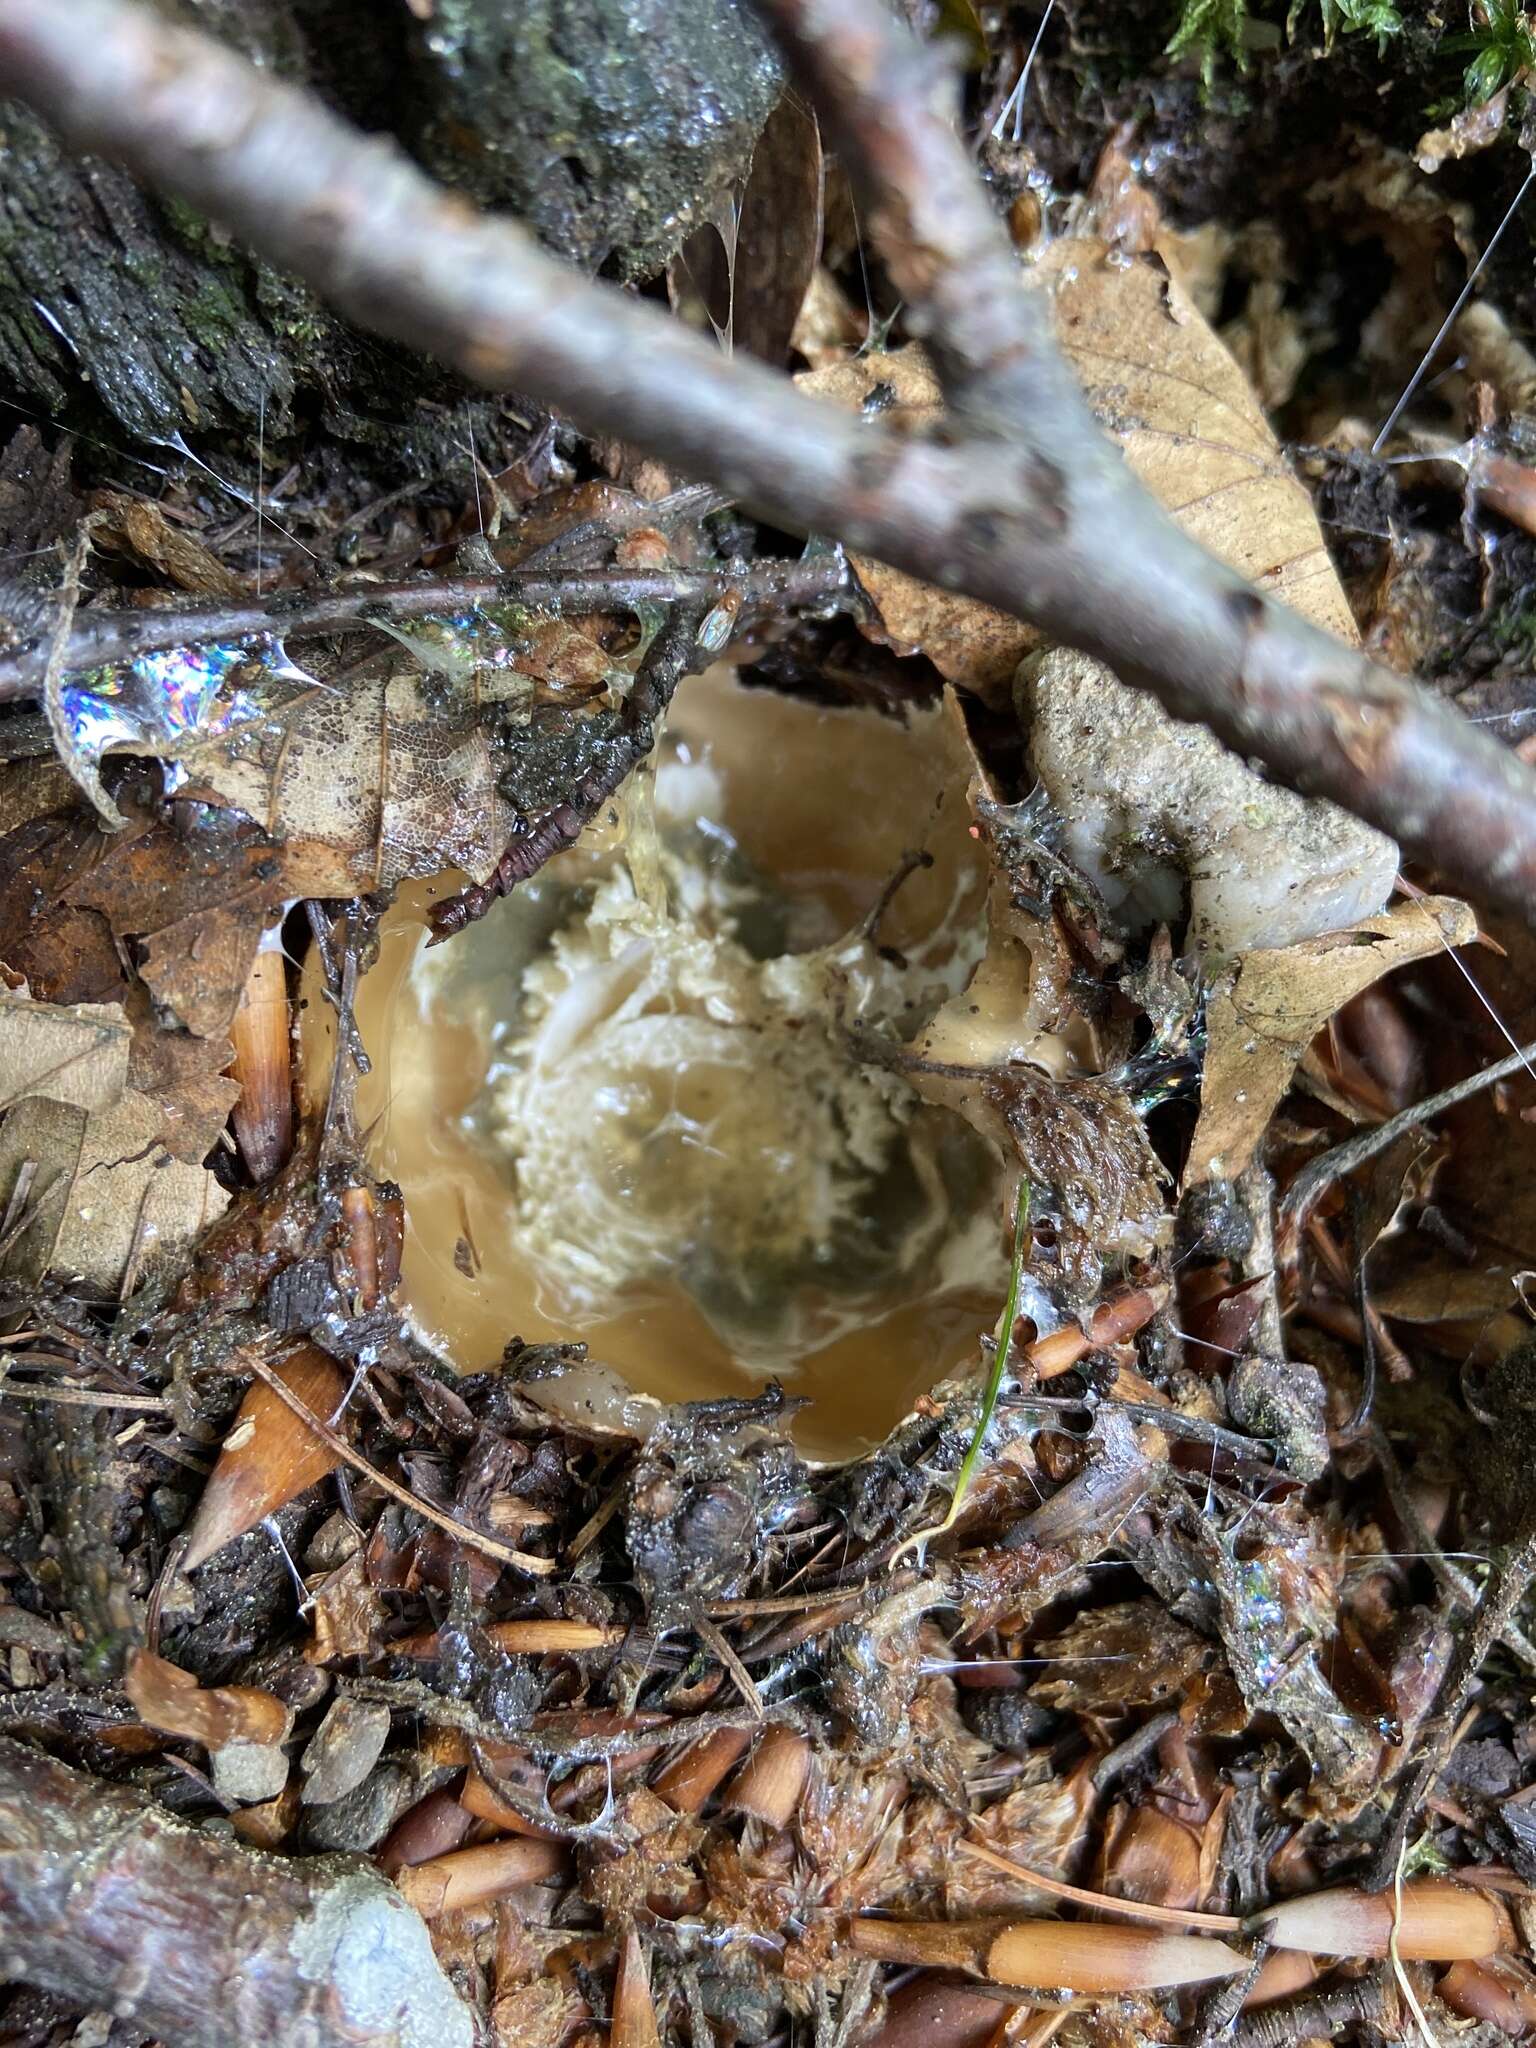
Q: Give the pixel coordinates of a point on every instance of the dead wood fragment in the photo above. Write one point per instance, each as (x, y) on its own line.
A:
(106, 1899)
(1017, 514)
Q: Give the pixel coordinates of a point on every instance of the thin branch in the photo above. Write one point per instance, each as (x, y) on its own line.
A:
(676, 652)
(111, 1902)
(1021, 512)
(1311, 1183)
(81, 1397)
(473, 1539)
(98, 638)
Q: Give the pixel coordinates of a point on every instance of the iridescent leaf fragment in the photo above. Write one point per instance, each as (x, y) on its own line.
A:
(160, 702)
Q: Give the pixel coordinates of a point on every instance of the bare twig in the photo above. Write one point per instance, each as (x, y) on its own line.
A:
(1324, 2013)
(1310, 1184)
(82, 1397)
(97, 638)
(473, 1539)
(1018, 513)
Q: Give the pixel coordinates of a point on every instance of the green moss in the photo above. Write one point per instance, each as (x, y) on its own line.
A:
(1223, 29)
(1499, 49)
(1514, 629)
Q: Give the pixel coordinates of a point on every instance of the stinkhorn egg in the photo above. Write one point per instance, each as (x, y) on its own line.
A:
(653, 1101)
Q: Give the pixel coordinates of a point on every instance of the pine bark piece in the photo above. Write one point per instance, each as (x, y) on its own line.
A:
(108, 1900)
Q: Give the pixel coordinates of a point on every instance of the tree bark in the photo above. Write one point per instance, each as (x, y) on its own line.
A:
(608, 126)
(108, 1900)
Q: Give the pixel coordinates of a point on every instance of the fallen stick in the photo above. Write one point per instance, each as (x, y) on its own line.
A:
(1025, 505)
(98, 638)
(109, 1901)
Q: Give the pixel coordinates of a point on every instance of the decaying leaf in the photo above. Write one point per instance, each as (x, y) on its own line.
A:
(1272, 1003)
(399, 772)
(87, 1185)
(369, 787)
(160, 924)
(1164, 385)
(75, 1055)
(346, 1612)
(969, 643)
(1278, 1619)
(140, 528)
(1148, 1657)
(1076, 1138)
(105, 1202)
(1040, 1824)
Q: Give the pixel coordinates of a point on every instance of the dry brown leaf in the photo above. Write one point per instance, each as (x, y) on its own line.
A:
(190, 911)
(1413, 1283)
(969, 643)
(347, 1613)
(108, 1205)
(140, 528)
(184, 1077)
(1164, 386)
(76, 1055)
(1261, 1018)
(749, 274)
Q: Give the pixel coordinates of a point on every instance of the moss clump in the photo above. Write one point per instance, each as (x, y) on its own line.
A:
(1213, 29)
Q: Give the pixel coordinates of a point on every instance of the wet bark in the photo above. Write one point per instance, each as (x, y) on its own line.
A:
(109, 1901)
(130, 315)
